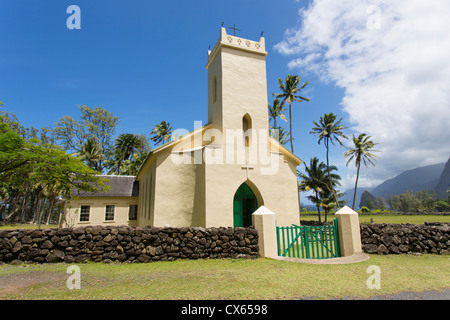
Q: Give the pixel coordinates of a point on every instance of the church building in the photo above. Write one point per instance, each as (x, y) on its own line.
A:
(221, 172)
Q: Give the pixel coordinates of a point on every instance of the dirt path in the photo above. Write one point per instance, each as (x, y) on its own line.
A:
(11, 284)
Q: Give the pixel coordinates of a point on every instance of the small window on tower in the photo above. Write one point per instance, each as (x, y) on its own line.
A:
(247, 128)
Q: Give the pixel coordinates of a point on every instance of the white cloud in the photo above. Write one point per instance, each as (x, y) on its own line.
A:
(392, 58)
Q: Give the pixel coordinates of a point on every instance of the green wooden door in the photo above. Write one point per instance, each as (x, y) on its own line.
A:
(244, 204)
(238, 220)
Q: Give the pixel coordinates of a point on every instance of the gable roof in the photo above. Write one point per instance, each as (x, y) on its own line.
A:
(278, 146)
(172, 143)
(119, 186)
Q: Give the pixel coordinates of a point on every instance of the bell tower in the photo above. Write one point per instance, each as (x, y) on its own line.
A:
(237, 84)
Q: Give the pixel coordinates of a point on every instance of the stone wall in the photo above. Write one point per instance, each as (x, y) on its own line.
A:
(405, 238)
(126, 244)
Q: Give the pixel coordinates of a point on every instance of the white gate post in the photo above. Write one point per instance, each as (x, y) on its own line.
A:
(349, 232)
(264, 222)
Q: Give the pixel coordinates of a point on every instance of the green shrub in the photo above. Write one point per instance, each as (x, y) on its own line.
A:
(365, 210)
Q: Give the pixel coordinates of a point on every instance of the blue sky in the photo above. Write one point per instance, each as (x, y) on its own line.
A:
(144, 61)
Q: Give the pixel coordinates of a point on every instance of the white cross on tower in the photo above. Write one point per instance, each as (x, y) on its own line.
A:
(247, 167)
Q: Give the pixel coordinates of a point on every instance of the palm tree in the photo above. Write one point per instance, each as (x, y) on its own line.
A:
(328, 130)
(289, 94)
(128, 163)
(115, 162)
(281, 135)
(328, 196)
(92, 154)
(129, 144)
(131, 167)
(314, 179)
(276, 111)
(161, 133)
(362, 151)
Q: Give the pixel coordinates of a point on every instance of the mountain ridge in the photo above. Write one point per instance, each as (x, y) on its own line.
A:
(435, 178)
(413, 180)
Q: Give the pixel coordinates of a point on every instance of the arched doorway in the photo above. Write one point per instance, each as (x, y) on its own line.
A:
(244, 204)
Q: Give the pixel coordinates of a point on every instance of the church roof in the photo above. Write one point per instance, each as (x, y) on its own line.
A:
(171, 144)
(285, 151)
(119, 186)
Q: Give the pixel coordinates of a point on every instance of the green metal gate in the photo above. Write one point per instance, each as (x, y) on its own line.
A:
(308, 242)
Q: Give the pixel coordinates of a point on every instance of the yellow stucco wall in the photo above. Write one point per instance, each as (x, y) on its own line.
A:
(147, 196)
(174, 192)
(97, 211)
(276, 192)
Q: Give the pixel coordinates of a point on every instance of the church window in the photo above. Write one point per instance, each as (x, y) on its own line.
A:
(246, 128)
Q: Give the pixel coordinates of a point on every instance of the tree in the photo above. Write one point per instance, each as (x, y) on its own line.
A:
(328, 130)
(280, 135)
(34, 172)
(381, 203)
(314, 179)
(328, 196)
(405, 202)
(11, 120)
(426, 200)
(362, 151)
(131, 167)
(129, 144)
(15, 151)
(161, 133)
(126, 145)
(130, 152)
(96, 124)
(91, 153)
(289, 94)
(275, 111)
(421, 201)
(442, 206)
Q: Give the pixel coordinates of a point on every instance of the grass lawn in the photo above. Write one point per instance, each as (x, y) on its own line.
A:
(27, 226)
(386, 218)
(226, 279)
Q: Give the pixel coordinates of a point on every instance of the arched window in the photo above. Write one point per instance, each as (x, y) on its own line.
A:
(247, 128)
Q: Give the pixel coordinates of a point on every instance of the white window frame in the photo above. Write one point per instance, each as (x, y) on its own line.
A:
(84, 213)
(107, 218)
(135, 213)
